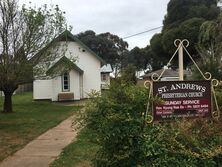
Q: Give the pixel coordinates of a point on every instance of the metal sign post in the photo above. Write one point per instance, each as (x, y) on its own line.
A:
(180, 55)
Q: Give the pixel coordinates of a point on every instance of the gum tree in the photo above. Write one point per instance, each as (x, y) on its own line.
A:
(210, 48)
(23, 33)
(183, 20)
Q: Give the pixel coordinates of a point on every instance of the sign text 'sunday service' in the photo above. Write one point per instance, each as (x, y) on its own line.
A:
(182, 99)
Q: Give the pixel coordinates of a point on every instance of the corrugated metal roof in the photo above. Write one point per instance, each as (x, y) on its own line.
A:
(106, 69)
(167, 73)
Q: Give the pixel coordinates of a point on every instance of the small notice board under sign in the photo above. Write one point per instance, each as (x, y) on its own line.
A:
(182, 99)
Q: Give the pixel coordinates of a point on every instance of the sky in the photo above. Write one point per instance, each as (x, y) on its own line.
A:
(120, 17)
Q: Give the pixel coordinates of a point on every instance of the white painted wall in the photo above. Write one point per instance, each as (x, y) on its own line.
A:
(56, 87)
(91, 79)
(49, 89)
(74, 85)
(42, 89)
(105, 83)
(89, 63)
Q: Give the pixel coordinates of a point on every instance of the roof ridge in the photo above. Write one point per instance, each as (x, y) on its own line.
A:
(67, 33)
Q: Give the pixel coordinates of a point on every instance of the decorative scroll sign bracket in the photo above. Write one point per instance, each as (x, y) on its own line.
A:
(181, 98)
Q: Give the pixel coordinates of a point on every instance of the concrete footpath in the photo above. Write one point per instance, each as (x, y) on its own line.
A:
(44, 149)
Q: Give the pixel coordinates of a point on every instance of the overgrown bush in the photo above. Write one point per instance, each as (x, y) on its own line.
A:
(117, 116)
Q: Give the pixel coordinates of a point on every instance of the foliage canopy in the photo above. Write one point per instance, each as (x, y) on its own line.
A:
(24, 32)
(108, 46)
(117, 117)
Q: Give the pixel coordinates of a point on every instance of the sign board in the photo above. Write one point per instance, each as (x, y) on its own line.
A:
(182, 99)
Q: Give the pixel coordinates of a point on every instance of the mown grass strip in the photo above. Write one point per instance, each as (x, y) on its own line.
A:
(29, 120)
(80, 152)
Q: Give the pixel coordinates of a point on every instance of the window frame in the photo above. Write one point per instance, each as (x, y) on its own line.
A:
(66, 74)
(104, 77)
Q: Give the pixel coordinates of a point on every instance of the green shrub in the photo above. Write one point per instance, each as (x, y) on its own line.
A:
(126, 140)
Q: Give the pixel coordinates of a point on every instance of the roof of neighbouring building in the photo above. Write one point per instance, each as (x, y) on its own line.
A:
(167, 73)
(106, 69)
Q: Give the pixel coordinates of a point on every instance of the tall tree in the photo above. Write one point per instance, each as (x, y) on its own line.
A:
(210, 48)
(188, 29)
(159, 56)
(136, 57)
(23, 33)
(128, 74)
(108, 46)
(179, 11)
(183, 20)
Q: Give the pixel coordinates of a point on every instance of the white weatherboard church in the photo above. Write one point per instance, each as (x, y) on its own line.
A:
(75, 84)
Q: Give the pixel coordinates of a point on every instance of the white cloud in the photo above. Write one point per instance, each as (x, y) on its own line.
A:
(120, 17)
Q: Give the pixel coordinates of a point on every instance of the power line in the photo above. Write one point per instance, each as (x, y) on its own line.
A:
(142, 32)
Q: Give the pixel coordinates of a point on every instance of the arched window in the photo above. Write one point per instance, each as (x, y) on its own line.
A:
(65, 82)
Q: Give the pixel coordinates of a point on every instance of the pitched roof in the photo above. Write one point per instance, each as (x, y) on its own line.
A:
(167, 73)
(64, 61)
(106, 69)
(67, 36)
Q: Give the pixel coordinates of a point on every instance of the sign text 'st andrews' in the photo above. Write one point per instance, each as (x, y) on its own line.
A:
(182, 99)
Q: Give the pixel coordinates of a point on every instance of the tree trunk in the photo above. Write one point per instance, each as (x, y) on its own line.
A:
(7, 102)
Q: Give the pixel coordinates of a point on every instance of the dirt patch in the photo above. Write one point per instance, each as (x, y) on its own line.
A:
(9, 143)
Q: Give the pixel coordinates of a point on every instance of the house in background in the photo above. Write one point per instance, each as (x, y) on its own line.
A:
(82, 77)
(105, 76)
(168, 75)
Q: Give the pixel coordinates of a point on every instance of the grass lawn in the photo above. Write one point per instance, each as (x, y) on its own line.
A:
(29, 120)
(80, 152)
